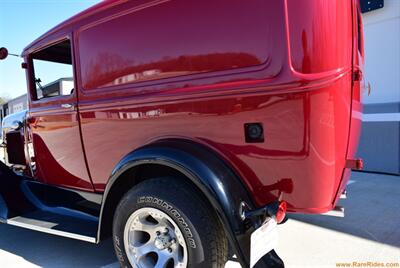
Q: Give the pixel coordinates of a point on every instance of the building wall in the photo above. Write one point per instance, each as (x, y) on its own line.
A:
(380, 139)
(18, 104)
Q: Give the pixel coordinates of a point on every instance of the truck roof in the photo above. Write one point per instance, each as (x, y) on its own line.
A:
(73, 20)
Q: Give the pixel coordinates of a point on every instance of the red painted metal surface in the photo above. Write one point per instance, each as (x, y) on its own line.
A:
(200, 70)
(57, 144)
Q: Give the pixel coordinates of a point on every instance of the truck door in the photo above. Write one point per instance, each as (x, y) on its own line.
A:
(53, 117)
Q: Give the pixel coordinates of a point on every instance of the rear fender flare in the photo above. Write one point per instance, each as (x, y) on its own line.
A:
(214, 178)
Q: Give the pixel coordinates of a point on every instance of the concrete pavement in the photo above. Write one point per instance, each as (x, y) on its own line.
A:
(369, 232)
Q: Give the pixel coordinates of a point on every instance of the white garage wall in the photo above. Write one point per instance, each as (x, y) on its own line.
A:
(380, 137)
(382, 50)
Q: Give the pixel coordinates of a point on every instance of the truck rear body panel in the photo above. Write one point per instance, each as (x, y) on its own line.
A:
(203, 73)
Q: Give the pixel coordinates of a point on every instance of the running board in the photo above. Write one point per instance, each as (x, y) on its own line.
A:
(48, 209)
(56, 224)
(337, 211)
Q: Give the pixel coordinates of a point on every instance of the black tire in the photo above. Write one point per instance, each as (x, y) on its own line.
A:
(206, 241)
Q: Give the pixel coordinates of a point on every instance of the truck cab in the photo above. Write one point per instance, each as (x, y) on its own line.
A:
(180, 134)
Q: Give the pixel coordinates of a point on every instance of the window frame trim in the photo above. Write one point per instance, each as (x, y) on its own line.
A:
(33, 91)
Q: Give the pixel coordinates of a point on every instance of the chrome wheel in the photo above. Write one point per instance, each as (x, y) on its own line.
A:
(153, 239)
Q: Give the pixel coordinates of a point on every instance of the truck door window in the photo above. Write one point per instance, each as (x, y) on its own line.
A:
(53, 72)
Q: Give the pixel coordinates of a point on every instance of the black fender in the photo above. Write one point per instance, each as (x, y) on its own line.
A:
(213, 176)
